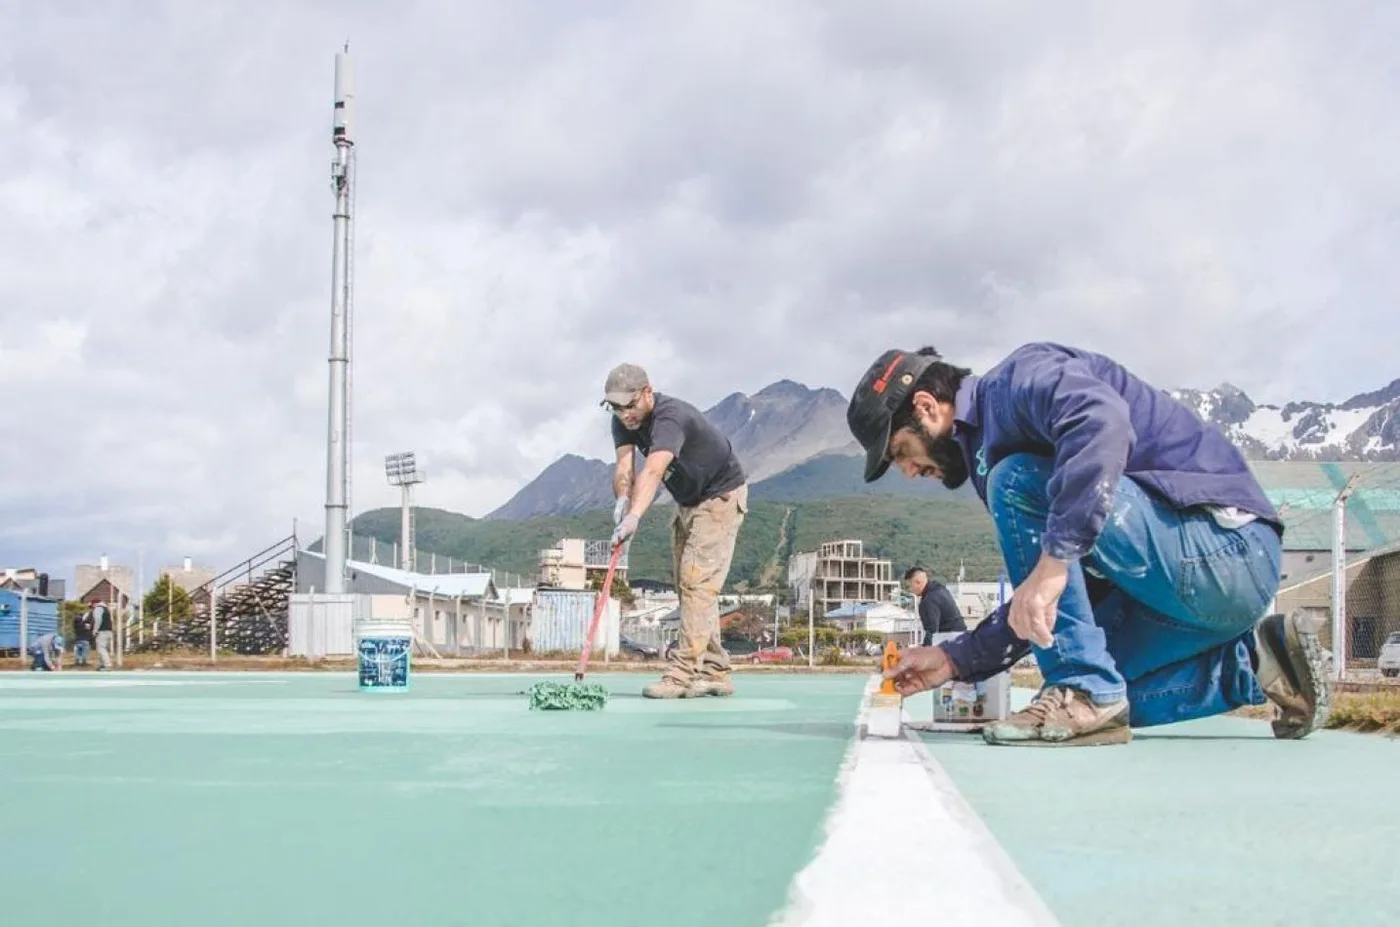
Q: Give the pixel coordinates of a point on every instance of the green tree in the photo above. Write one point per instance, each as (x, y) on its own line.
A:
(71, 610)
(620, 591)
(166, 602)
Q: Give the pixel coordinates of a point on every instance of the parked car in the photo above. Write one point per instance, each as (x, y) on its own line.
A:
(645, 651)
(771, 655)
(1388, 661)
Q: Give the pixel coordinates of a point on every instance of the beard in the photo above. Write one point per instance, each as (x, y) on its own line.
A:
(946, 455)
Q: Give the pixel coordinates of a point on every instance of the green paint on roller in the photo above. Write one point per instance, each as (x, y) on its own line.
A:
(561, 696)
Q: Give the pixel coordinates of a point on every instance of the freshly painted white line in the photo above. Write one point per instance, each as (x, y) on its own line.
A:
(902, 843)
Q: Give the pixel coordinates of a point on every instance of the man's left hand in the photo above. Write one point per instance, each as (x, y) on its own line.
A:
(1036, 602)
(625, 529)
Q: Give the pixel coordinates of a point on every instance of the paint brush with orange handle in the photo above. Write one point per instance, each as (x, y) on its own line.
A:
(886, 712)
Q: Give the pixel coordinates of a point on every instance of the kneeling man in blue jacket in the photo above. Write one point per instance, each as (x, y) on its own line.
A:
(1144, 553)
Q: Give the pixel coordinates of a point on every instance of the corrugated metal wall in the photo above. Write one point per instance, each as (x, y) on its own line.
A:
(41, 617)
(323, 625)
(560, 618)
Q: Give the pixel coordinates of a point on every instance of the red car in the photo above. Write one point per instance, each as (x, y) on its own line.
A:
(773, 655)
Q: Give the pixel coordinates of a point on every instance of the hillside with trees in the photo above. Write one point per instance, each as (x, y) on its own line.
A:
(938, 534)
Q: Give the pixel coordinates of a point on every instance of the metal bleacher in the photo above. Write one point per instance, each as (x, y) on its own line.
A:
(254, 600)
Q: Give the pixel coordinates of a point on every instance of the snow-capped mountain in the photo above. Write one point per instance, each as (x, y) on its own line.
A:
(796, 437)
(1365, 427)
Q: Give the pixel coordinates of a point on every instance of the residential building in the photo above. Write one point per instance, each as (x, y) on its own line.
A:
(193, 580)
(978, 600)
(105, 582)
(885, 618)
(29, 579)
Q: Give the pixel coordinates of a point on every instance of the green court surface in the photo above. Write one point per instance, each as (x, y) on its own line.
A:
(1205, 822)
(146, 799)
(151, 799)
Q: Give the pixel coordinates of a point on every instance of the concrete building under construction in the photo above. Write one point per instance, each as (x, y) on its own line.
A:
(838, 573)
(574, 562)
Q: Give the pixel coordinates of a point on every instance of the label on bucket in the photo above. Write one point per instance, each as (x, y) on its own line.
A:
(384, 661)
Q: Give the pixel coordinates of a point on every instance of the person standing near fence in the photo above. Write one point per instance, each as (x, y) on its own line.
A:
(1144, 552)
(938, 613)
(697, 465)
(83, 632)
(102, 621)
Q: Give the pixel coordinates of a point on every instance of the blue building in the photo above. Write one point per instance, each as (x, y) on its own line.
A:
(40, 617)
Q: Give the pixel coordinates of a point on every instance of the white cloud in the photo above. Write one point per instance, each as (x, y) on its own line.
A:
(728, 193)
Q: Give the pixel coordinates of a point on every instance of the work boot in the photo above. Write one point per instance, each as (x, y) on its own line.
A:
(719, 684)
(1062, 717)
(1293, 673)
(673, 685)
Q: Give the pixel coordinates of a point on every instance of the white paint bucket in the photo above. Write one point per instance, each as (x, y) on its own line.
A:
(968, 703)
(384, 647)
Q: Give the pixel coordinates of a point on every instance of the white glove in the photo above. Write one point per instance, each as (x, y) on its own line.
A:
(624, 530)
(619, 510)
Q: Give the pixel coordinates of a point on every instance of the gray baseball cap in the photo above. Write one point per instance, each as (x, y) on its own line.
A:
(624, 382)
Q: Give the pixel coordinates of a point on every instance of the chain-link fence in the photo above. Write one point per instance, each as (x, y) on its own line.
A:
(372, 550)
(1342, 566)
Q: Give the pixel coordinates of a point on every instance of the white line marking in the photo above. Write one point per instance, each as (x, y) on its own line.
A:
(902, 842)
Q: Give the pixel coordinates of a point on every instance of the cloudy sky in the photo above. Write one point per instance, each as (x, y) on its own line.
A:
(728, 192)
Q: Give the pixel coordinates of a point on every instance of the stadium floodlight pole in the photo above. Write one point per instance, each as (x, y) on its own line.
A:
(338, 425)
(402, 470)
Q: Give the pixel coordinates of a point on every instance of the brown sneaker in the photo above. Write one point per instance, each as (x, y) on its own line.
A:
(1293, 673)
(1062, 717)
(672, 686)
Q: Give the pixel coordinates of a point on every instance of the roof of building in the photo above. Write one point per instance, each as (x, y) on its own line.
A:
(857, 609)
(1304, 491)
(1304, 577)
(517, 595)
(467, 585)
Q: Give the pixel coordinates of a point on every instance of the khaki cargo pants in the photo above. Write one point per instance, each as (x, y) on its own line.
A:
(702, 547)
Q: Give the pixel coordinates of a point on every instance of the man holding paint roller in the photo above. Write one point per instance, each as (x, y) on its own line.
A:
(695, 462)
(1143, 550)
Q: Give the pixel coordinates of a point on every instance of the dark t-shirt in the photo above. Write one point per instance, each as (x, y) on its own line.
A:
(705, 465)
(938, 613)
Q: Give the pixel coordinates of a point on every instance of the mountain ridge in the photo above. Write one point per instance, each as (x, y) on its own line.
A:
(790, 430)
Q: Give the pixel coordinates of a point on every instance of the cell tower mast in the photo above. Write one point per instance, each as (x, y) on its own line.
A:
(338, 426)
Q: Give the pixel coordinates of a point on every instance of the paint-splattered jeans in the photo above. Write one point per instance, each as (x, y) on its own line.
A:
(1161, 610)
(702, 547)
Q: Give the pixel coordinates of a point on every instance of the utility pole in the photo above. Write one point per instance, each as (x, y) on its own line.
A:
(338, 424)
(1339, 579)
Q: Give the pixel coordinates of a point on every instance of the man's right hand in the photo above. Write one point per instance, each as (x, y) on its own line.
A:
(920, 669)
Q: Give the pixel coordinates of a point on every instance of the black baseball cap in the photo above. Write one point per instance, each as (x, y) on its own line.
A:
(881, 391)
